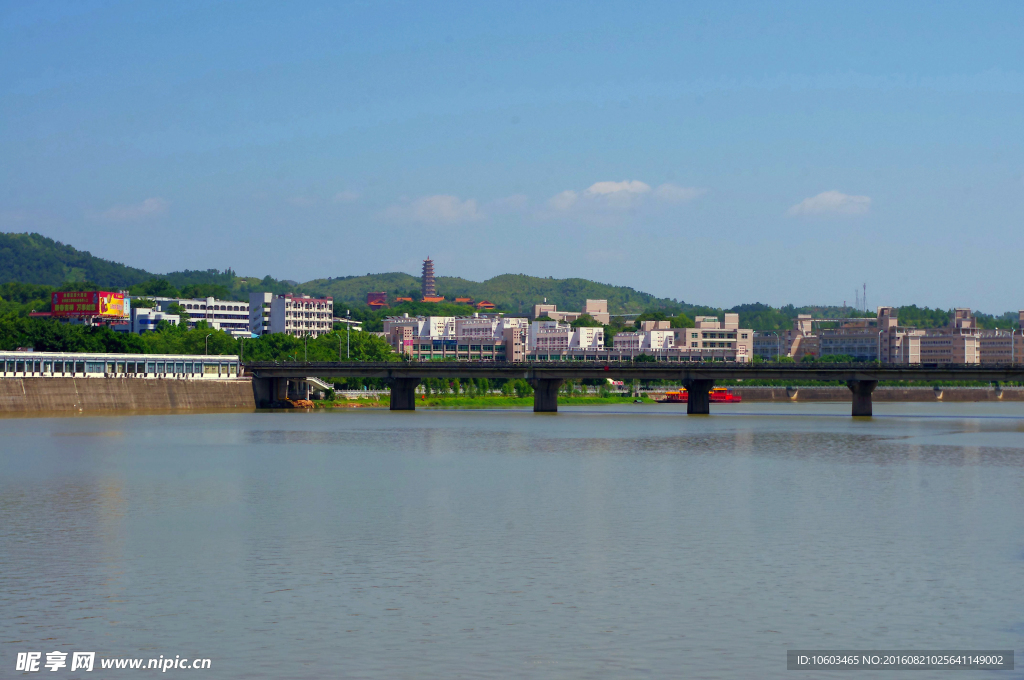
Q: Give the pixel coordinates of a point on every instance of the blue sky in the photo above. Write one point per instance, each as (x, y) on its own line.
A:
(717, 153)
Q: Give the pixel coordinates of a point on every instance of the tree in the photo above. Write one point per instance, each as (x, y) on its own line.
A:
(156, 288)
(183, 315)
(79, 286)
(586, 321)
(206, 290)
(836, 359)
(522, 388)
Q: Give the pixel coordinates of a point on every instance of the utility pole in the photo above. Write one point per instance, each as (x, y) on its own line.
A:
(348, 334)
(208, 342)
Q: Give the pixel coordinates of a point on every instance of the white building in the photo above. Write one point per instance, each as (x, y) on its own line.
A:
(554, 337)
(230, 316)
(483, 337)
(146, 319)
(437, 327)
(259, 313)
(597, 309)
(104, 365)
(709, 338)
(297, 315)
(301, 315)
(653, 335)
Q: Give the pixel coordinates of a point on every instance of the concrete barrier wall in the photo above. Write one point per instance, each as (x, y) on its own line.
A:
(121, 394)
(880, 394)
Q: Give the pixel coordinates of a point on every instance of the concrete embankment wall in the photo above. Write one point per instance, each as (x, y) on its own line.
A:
(880, 394)
(25, 395)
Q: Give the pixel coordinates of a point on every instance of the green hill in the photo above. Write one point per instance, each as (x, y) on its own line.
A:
(514, 292)
(39, 260)
(31, 265)
(33, 258)
(36, 259)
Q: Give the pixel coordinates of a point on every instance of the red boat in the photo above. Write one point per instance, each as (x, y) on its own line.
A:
(717, 395)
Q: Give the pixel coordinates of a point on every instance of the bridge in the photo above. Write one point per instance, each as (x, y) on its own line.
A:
(270, 379)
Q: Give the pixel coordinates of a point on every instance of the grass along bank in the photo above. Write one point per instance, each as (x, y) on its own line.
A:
(481, 401)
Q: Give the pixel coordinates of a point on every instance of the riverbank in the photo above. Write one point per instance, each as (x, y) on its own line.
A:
(748, 394)
(487, 401)
(881, 394)
(75, 395)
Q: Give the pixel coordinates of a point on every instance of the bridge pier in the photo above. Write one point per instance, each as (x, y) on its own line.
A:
(403, 393)
(545, 394)
(267, 391)
(280, 389)
(263, 391)
(862, 390)
(698, 396)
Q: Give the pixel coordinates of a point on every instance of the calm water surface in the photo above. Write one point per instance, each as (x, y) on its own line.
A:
(626, 542)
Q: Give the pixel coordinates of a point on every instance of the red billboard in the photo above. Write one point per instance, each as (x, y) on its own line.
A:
(89, 303)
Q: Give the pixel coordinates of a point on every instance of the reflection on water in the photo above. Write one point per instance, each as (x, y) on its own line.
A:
(621, 542)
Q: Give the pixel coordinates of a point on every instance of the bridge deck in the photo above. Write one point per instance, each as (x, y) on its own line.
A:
(575, 370)
(270, 379)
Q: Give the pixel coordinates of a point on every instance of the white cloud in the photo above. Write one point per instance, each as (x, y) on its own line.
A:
(441, 209)
(564, 200)
(151, 207)
(623, 195)
(624, 187)
(347, 196)
(671, 193)
(831, 203)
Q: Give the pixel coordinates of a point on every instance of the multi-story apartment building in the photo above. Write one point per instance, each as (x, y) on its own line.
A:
(556, 337)
(481, 337)
(652, 335)
(858, 339)
(598, 309)
(428, 326)
(301, 315)
(709, 338)
(644, 339)
(297, 315)
(1002, 346)
(231, 316)
(709, 333)
(883, 339)
(947, 348)
(146, 319)
(259, 312)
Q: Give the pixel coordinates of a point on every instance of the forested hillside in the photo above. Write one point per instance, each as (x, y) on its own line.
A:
(39, 260)
(32, 266)
(33, 258)
(514, 292)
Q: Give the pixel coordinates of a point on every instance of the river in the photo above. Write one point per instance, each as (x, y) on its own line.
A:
(616, 542)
